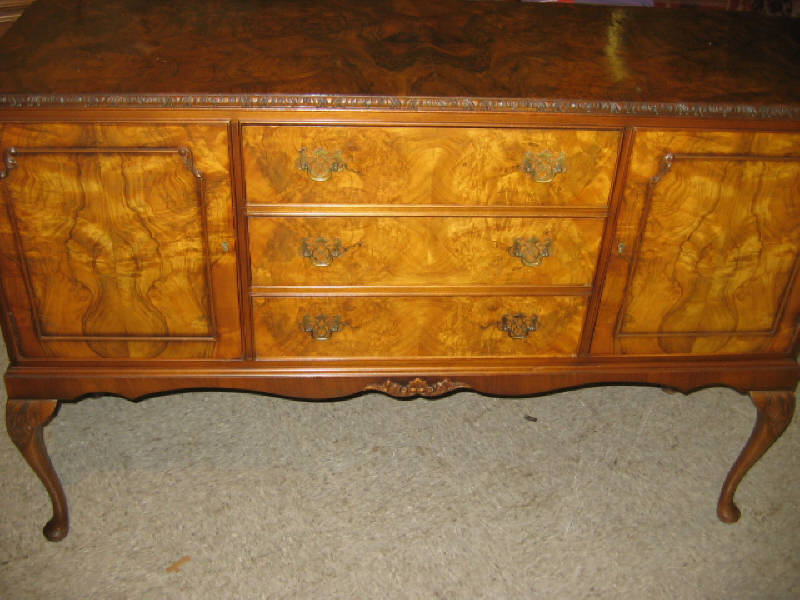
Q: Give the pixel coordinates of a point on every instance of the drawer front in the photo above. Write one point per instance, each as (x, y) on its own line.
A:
(429, 166)
(392, 327)
(423, 250)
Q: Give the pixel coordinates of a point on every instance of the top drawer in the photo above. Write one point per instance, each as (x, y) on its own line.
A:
(429, 166)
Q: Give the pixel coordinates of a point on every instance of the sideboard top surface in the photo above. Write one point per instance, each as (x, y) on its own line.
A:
(402, 54)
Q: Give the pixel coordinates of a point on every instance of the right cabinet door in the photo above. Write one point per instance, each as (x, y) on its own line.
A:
(705, 257)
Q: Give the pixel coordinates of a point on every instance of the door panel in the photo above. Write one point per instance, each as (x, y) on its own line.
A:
(122, 241)
(710, 234)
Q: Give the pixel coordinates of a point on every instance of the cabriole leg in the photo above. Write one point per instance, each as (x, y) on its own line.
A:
(25, 420)
(775, 410)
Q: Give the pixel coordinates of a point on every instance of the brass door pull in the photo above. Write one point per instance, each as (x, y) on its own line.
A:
(544, 166)
(320, 164)
(518, 325)
(322, 327)
(531, 251)
(323, 251)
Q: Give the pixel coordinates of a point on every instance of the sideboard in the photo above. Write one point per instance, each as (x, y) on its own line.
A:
(317, 199)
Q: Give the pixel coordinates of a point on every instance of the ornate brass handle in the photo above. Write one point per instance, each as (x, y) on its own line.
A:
(322, 327)
(531, 251)
(322, 251)
(320, 164)
(518, 325)
(544, 166)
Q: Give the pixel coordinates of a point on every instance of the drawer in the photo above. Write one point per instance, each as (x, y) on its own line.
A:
(429, 165)
(395, 327)
(423, 250)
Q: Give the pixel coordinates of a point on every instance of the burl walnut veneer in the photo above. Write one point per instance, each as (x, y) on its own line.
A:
(315, 199)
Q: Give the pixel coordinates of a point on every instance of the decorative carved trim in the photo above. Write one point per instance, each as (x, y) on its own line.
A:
(323, 101)
(24, 417)
(416, 387)
(777, 408)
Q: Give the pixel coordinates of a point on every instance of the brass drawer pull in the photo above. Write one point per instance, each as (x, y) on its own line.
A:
(322, 327)
(531, 251)
(323, 251)
(544, 166)
(320, 164)
(518, 325)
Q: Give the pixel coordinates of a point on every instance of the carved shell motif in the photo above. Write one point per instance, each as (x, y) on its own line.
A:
(417, 387)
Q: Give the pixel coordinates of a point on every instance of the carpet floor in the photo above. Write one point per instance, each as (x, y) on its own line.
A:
(605, 492)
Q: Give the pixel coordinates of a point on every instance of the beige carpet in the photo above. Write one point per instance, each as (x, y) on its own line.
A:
(609, 493)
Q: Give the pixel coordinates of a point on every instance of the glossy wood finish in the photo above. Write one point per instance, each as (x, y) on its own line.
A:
(339, 378)
(129, 268)
(423, 251)
(709, 246)
(24, 422)
(402, 53)
(387, 327)
(436, 166)
(774, 413)
(10, 11)
(144, 215)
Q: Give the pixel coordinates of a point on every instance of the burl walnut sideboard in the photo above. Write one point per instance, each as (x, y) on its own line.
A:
(315, 199)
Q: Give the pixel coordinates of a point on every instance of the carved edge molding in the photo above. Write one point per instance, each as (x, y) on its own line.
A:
(416, 387)
(411, 103)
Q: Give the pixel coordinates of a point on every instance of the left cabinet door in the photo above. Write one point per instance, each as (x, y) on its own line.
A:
(117, 241)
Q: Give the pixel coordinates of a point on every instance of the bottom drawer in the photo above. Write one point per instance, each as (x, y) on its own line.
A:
(394, 327)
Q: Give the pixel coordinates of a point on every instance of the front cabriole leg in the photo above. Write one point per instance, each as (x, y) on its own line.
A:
(775, 410)
(25, 420)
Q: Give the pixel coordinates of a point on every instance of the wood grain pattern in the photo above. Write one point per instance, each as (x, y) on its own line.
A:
(710, 237)
(117, 240)
(401, 54)
(417, 327)
(110, 263)
(425, 250)
(438, 166)
(123, 273)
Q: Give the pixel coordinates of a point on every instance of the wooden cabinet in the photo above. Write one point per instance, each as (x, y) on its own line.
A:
(316, 207)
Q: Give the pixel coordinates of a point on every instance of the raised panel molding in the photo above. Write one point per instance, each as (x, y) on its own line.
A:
(731, 237)
(131, 239)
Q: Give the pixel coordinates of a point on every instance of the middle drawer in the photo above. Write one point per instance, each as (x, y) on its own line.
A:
(312, 251)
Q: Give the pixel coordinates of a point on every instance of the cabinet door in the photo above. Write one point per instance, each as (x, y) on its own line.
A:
(117, 241)
(706, 254)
